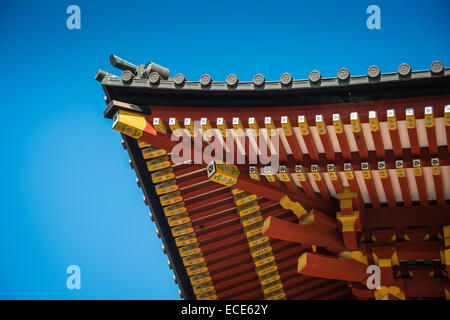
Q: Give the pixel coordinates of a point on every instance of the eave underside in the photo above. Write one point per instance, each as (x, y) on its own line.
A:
(211, 207)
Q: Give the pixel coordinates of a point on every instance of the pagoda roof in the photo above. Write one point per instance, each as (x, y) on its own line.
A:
(372, 148)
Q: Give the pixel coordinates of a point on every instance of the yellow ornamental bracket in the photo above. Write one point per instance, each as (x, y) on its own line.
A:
(435, 169)
(248, 208)
(186, 240)
(222, 126)
(200, 278)
(182, 230)
(206, 127)
(163, 175)
(295, 207)
(223, 173)
(236, 191)
(303, 125)
(337, 123)
(447, 115)
(373, 121)
(359, 256)
(286, 126)
(391, 119)
(429, 117)
(365, 170)
(299, 173)
(171, 198)
(253, 126)
(356, 255)
(399, 168)
(320, 124)
(315, 172)
(159, 125)
(283, 174)
(382, 171)
(143, 144)
(417, 167)
(175, 127)
(267, 172)
(270, 126)
(410, 119)
(129, 123)
(354, 122)
(193, 259)
(446, 257)
(383, 293)
(158, 163)
(446, 230)
(189, 126)
(238, 127)
(166, 187)
(331, 169)
(348, 221)
(152, 152)
(243, 198)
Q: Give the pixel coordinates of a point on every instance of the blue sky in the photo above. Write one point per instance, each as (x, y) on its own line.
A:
(68, 195)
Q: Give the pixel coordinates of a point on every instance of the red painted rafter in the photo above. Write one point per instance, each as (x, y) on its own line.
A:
(305, 234)
(376, 135)
(331, 268)
(387, 187)
(429, 115)
(402, 217)
(438, 185)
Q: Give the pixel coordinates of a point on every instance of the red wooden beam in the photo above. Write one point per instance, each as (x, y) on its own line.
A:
(324, 138)
(341, 293)
(218, 231)
(243, 278)
(426, 288)
(305, 234)
(222, 271)
(447, 124)
(331, 268)
(401, 217)
(410, 250)
(376, 134)
(387, 186)
(342, 139)
(210, 199)
(420, 183)
(358, 135)
(301, 288)
(307, 137)
(219, 246)
(368, 180)
(403, 182)
(323, 189)
(264, 190)
(321, 290)
(438, 184)
(393, 133)
(295, 148)
(431, 131)
(363, 107)
(412, 131)
(195, 192)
